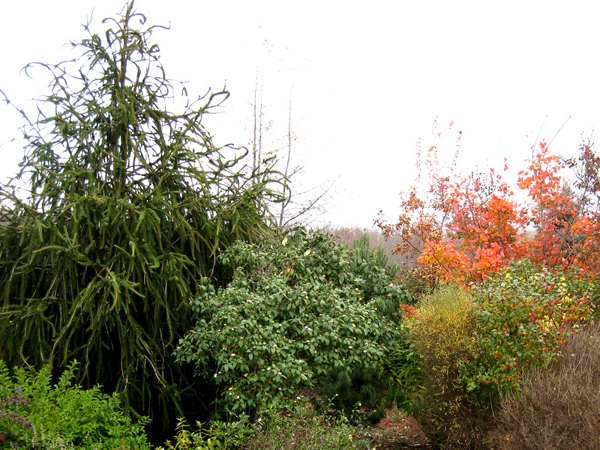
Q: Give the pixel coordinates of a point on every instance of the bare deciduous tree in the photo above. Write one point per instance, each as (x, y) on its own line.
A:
(299, 207)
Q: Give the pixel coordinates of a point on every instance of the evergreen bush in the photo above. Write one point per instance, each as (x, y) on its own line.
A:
(296, 310)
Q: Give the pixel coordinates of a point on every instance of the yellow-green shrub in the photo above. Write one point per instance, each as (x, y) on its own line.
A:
(442, 328)
(442, 331)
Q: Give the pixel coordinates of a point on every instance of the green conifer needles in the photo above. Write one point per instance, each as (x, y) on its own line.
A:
(128, 207)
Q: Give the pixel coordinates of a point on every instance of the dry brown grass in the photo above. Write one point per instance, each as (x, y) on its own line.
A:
(560, 406)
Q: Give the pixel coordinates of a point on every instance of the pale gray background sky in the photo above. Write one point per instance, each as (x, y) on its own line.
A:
(368, 78)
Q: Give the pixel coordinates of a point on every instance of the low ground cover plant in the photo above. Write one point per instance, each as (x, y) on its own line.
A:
(36, 414)
(301, 427)
(185, 439)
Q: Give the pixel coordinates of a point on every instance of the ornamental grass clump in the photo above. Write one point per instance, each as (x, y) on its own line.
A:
(559, 405)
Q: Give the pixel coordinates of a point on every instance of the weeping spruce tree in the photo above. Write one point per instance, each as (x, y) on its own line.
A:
(128, 206)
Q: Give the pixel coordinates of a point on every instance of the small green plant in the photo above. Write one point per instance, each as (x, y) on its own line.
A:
(41, 415)
(303, 429)
(233, 433)
(186, 440)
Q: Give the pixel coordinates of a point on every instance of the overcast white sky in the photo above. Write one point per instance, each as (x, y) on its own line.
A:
(366, 79)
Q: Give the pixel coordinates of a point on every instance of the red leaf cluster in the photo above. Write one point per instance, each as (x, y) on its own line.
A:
(468, 227)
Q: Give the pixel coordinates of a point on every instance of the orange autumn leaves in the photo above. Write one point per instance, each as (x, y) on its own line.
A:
(474, 226)
(483, 233)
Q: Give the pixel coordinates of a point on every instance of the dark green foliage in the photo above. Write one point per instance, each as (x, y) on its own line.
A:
(129, 206)
(295, 310)
(365, 255)
(357, 392)
(362, 385)
(371, 267)
(403, 367)
(64, 413)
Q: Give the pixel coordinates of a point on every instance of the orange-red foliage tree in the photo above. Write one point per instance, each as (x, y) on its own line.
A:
(472, 226)
(423, 215)
(484, 232)
(585, 231)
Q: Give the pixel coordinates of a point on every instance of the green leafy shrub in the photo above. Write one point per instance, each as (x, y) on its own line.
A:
(523, 314)
(295, 310)
(345, 388)
(558, 406)
(65, 413)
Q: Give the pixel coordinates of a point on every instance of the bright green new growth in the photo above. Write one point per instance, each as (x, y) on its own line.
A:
(187, 440)
(65, 414)
(129, 207)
